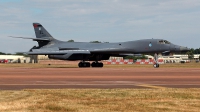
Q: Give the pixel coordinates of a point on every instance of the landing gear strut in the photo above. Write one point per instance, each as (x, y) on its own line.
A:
(156, 64)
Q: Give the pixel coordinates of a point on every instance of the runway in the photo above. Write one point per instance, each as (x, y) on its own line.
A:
(58, 78)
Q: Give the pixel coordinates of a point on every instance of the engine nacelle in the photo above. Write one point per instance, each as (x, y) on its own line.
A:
(61, 57)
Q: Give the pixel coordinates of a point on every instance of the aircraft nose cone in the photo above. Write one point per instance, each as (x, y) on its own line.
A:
(184, 49)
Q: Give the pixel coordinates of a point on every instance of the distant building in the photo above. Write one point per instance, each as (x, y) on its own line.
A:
(15, 58)
(176, 58)
(149, 57)
(43, 57)
(115, 58)
(196, 56)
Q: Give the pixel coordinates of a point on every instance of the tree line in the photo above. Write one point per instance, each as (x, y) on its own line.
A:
(191, 53)
(2, 53)
(195, 51)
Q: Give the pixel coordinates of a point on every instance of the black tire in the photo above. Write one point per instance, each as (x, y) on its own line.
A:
(84, 64)
(93, 64)
(80, 64)
(155, 65)
(88, 64)
(100, 64)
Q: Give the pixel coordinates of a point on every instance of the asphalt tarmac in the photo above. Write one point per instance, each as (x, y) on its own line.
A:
(58, 78)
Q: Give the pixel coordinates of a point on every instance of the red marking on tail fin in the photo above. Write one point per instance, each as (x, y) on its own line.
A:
(35, 25)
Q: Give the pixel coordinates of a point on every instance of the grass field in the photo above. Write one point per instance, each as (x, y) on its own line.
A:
(101, 100)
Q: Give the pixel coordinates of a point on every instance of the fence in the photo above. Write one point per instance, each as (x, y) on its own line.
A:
(121, 61)
(130, 61)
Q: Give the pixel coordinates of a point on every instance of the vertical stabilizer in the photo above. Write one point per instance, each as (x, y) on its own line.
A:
(41, 32)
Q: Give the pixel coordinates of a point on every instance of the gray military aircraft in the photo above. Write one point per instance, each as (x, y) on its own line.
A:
(86, 51)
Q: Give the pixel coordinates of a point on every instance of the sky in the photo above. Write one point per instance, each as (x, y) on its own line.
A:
(177, 21)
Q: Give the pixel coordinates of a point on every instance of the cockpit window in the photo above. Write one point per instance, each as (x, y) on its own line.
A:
(167, 42)
(161, 42)
(164, 42)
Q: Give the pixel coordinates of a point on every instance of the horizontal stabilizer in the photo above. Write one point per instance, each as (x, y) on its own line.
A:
(34, 39)
(36, 52)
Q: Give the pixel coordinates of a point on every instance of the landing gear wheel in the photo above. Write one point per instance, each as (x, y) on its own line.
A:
(84, 64)
(156, 65)
(96, 64)
(93, 64)
(100, 64)
(80, 64)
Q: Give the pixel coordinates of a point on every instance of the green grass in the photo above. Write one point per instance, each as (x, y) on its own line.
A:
(101, 100)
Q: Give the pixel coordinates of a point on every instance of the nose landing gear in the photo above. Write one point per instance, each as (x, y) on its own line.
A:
(156, 65)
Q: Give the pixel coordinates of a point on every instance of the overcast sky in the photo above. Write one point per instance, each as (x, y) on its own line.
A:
(177, 21)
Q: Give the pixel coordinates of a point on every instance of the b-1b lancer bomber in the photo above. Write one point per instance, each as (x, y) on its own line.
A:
(86, 51)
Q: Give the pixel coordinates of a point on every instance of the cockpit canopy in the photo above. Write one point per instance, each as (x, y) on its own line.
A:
(164, 42)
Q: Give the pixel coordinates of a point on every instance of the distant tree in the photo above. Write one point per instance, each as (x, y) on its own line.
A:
(1, 53)
(135, 57)
(95, 42)
(21, 54)
(128, 57)
(197, 51)
(190, 54)
(70, 40)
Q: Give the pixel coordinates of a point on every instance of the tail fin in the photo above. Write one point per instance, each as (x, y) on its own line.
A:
(41, 32)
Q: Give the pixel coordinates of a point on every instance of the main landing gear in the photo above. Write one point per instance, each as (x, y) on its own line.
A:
(87, 64)
(97, 64)
(83, 64)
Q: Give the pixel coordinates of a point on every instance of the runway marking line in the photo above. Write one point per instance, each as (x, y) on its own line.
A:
(152, 86)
